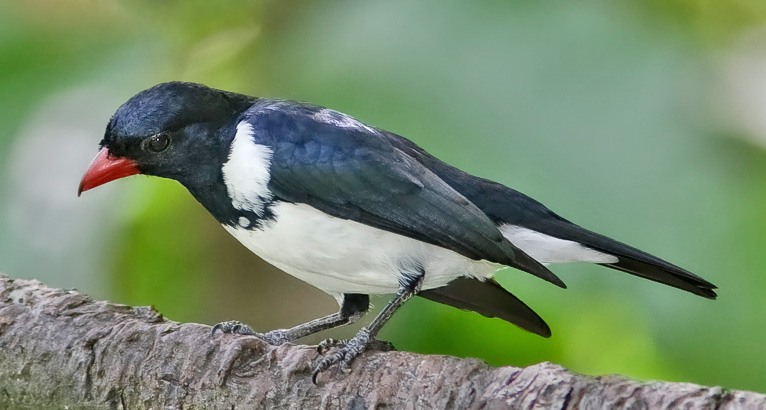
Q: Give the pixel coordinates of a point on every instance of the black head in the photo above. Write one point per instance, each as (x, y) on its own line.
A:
(170, 126)
(172, 130)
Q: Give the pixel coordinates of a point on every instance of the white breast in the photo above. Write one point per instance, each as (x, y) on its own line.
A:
(343, 256)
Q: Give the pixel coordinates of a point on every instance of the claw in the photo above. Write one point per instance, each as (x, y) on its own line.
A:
(274, 337)
(234, 327)
(325, 345)
(346, 351)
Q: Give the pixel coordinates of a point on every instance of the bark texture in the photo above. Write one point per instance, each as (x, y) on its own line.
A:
(60, 349)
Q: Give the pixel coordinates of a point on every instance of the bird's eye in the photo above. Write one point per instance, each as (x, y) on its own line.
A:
(156, 143)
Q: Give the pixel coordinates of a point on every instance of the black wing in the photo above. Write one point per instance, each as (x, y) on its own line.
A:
(341, 167)
(505, 205)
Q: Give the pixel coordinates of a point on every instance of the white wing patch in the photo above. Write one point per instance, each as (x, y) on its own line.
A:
(546, 249)
(246, 172)
(339, 119)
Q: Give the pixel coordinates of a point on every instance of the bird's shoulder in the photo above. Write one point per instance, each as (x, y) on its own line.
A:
(320, 133)
(322, 156)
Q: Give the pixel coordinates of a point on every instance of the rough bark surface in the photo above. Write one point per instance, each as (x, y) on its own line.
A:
(60, 349)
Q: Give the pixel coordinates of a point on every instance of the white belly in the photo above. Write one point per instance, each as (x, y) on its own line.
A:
(343, 256)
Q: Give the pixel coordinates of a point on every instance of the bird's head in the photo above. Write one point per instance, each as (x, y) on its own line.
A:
(172, 130)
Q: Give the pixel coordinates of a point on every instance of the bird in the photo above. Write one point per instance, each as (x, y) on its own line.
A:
(353, 210)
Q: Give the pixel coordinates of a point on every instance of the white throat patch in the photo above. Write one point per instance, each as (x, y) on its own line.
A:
(246, 173)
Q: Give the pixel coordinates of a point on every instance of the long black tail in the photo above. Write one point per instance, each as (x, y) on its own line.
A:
(630, 259)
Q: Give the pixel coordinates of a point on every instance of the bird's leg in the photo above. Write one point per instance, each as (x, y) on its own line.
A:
(354, 306)
(347, 351)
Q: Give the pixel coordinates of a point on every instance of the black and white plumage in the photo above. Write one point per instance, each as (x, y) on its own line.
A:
(352, 209)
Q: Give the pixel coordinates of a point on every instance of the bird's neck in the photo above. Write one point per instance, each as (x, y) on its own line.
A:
(212, 194)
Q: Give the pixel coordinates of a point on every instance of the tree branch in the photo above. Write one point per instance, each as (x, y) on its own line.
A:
(59, 349)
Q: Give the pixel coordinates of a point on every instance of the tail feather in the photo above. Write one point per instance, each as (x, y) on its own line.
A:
(653, 272)
(633, 260)
(489, 299)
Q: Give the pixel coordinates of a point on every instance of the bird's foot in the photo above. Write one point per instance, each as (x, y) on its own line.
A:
(375, 344)
(234, 327)
(274, 337)
(343, 352)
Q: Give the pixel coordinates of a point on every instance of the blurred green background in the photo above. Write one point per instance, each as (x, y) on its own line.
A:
(645, 121)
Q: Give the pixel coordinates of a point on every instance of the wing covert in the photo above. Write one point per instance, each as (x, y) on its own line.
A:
(348, 170)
